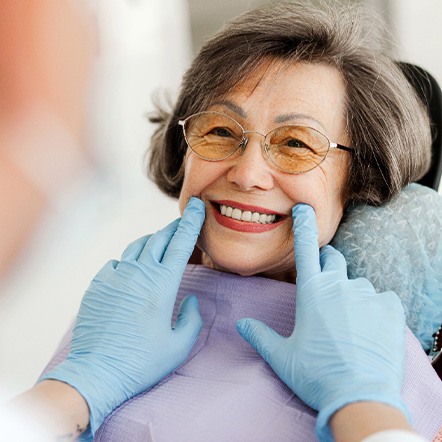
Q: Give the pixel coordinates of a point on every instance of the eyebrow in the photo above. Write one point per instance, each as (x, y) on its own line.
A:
(283, 118)
(232, 106)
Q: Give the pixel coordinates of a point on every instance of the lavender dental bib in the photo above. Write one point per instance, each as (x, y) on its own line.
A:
(226, 392)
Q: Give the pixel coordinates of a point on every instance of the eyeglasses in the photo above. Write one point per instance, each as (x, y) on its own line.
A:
(214, 136)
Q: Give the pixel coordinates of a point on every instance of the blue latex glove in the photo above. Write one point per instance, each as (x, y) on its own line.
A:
(123, 342)
(348, 342)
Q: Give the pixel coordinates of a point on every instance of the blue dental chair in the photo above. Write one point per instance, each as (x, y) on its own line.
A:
(399, 246)
(430, 93)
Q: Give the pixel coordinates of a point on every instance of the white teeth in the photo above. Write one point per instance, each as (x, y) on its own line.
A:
(236, 214)
(246, 215)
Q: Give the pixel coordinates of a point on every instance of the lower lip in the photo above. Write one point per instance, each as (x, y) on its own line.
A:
(244, 226)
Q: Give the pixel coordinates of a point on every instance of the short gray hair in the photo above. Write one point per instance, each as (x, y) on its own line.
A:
(387, 123)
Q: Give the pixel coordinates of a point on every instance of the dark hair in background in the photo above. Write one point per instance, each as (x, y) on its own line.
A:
(387, 123)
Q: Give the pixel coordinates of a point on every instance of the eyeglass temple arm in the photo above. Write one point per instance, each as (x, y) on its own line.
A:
(340, 146)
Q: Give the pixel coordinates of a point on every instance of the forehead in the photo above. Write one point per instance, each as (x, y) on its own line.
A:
(279, 88)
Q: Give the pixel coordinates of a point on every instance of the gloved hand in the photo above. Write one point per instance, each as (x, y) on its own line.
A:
(123, 342)
(348, 342)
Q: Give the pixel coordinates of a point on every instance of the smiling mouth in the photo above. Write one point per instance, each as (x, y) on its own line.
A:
(249, 216)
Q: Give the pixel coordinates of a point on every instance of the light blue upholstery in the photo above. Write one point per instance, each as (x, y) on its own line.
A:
(399, 247)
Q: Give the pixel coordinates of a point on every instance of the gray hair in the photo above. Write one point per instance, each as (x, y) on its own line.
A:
(387, 123)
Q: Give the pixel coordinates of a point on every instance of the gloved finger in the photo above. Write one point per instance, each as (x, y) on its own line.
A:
(362, 287)
(134, 249)
(157, 244)
(305, 231)
(183, 242)
(107, 270)
(333, 260)
(394, 302)
(188, 324)
(391, 304)
(261, 337)
(395, 310)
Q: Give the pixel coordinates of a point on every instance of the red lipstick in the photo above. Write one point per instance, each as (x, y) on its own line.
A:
(245, 226)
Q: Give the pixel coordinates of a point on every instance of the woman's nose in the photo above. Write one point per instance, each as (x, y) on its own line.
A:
(250, 169)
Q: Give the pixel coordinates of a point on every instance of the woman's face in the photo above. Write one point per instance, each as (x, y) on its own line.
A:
(302, 93)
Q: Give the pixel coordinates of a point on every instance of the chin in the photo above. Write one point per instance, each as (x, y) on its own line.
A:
(230, 267)
(244, 268)
(240, 270)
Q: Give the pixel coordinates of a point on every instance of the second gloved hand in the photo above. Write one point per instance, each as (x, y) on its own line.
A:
(123, 342)
(348, 342)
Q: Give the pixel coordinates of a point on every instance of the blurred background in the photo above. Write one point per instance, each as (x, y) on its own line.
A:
(143, 48)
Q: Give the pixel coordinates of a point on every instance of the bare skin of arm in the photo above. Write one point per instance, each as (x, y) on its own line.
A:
(64, 414)
(56, 407)
(360, 419)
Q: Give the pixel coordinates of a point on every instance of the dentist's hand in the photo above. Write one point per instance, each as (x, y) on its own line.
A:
(123, 342)
(348, 342)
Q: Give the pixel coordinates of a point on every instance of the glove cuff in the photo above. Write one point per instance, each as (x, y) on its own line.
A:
(323, 431)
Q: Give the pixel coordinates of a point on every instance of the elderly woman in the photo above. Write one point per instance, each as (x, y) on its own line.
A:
(286, 118)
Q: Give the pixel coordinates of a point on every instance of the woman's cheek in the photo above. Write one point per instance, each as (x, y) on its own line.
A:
(327, 225)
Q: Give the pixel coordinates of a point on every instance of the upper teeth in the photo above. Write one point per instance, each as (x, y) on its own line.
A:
(246, 215)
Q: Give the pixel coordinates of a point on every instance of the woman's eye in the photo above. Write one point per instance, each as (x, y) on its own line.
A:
(221, 132)
(296, 143)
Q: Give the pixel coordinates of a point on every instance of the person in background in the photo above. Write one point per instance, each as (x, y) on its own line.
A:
(45, 61)
(46, 51)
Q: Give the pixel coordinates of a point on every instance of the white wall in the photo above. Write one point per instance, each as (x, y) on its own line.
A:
(417, 25)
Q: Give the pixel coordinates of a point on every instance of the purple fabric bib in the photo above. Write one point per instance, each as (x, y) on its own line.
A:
(226, 392)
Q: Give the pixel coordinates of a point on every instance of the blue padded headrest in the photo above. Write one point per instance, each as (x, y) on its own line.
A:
(399, 247)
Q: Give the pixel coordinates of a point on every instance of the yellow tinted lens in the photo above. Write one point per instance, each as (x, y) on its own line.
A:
(296, 149)
(212, 135)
